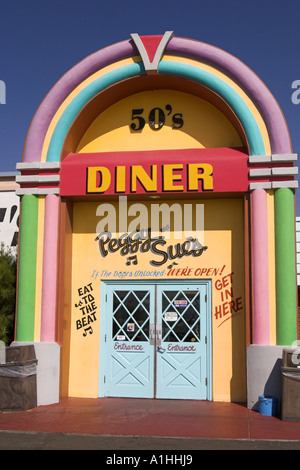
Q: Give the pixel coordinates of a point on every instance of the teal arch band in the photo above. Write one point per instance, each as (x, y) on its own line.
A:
(286, 301)
(83, 97)
(27, 269)
(189, 72)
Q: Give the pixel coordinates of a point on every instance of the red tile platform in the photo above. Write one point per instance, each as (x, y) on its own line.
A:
(138, 417)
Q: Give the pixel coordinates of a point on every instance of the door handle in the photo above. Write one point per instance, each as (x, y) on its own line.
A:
(155, 334)
(158, 335)
(152, 334)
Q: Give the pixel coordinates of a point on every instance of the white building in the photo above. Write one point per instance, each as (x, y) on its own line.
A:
(9, 210)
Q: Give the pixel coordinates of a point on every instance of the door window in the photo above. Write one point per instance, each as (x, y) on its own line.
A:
(130, 320)
(181, 316)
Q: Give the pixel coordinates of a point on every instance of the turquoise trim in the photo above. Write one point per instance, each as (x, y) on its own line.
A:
(255, 140)
(190, 72)
(77, 104)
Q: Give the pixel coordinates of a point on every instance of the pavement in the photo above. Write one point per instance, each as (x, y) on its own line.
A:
(120, 425)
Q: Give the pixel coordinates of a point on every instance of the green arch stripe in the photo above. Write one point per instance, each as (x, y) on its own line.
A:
(286, 300)
(190, 72)
(27, 268)
(234, 100)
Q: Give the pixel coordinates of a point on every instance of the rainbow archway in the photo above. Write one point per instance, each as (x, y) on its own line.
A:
(65, 114)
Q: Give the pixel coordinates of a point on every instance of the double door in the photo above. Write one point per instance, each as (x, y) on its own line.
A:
(155, 340)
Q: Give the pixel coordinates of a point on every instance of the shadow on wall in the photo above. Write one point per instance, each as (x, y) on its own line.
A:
(273, 386)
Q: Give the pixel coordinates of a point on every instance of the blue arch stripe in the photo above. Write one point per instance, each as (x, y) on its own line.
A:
(73, 109)
(190, 72)
(255, 140)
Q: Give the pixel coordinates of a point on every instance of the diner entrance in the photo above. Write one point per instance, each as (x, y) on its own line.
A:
(155, 340)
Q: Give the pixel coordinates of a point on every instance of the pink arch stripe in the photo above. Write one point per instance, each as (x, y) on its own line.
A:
(239, 72)
(49, 268)
(260, 269)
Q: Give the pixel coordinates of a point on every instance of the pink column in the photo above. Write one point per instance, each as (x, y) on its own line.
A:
(260, 267)
(49, 268)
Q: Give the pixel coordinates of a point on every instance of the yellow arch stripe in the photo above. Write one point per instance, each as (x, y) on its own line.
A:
(208, 68)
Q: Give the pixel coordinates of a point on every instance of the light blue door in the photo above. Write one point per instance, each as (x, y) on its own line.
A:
(155, 340)
(182, 365)
(129, 360)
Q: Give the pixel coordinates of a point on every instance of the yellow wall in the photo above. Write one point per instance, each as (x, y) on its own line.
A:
(204, 125)
(222, 262)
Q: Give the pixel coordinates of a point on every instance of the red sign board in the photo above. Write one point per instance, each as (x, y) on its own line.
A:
(149, 172)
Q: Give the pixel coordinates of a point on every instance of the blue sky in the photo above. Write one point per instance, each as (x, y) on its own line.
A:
(41, 40)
